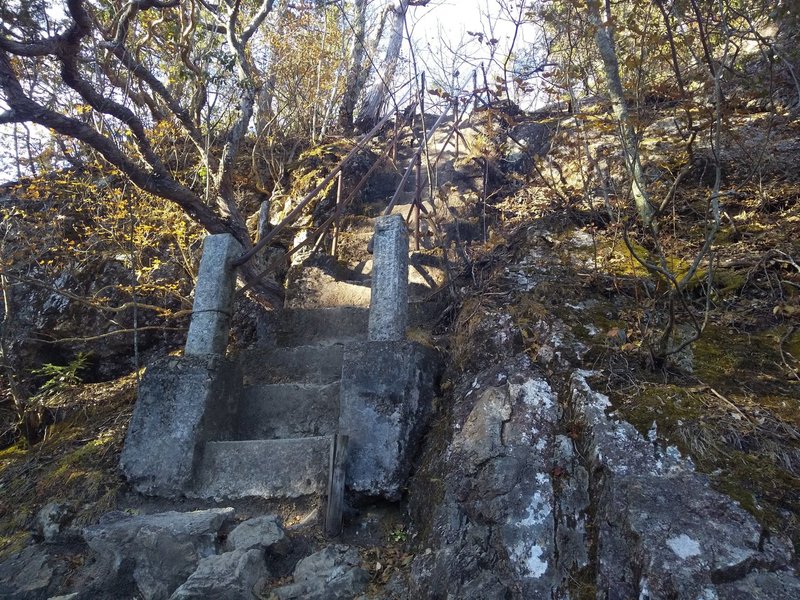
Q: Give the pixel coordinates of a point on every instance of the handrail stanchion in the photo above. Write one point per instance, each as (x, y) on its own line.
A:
(388, 307)
(213, 297)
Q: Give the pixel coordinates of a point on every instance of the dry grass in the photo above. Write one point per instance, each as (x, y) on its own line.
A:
(77, 463)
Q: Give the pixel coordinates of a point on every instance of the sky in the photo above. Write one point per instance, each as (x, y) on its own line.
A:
(444, 26)
(443, 47)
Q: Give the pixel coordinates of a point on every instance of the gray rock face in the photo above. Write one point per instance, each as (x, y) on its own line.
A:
(158, 552)
(237, 575)
(387, 390)
(260, 532)
(29, 575)
(182, 402)
(330, 574)
(571, 507)
(498, 338)
(493, 531)
(761, 585)
(662, 531)
(525, 141)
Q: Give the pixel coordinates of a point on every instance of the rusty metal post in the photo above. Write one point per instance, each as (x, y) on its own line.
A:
(394, 140)
(336, 481)
(417, 201)
(475, 89)
(486, 85)
(337, 214)
(457, 117)
(485, 195)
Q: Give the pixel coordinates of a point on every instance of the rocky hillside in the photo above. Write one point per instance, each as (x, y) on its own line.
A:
(583, 441)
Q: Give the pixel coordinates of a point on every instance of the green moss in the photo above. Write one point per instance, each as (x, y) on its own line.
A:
(729, 281)
(83, 467)
(15, 452)
(762, 488)
(791, 343)
(314, 164)
(672, 407)
(619, 260)
(616, 259)
(724, 357)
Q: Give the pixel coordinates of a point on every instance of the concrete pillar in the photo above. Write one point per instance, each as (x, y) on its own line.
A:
(388, 307)
(213, 296)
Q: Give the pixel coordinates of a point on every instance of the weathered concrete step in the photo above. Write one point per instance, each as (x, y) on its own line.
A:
(306, 364)
(264, 468)
(317, 326)
(321, 290)
(325, 293)
(336, 324)
(288, 410)
(425, 271)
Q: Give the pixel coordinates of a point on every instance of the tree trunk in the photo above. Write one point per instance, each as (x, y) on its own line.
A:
(356, 72)
(630, 146)
(368, 115)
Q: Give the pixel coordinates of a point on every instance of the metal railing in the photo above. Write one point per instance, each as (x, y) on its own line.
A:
(458, 105)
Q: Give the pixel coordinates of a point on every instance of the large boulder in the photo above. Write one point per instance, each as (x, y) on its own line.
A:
(30, 575)
(662, 531)
(386, 401)
(492, 528)
(157, 553)
(333, 573)
(525, 142)
(237, 575)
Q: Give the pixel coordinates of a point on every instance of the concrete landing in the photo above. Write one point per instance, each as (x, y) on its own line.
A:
(335, 325)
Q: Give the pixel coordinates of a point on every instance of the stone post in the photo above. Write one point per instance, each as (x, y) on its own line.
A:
(388, 308)
(213, 297)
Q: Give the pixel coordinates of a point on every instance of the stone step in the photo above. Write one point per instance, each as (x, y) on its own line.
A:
(288, 410)
(288, 468)
(316, 286)
(336, 324)
(318, 290)
(298, 364)
(316, 326)
(425, 271)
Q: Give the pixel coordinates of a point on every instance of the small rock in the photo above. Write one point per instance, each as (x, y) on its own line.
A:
(330, 574)
(237, 575)
(51, 520)
(260, 532)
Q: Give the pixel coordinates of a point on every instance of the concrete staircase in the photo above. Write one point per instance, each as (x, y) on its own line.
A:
(289, 409)
(266, 423)
(287, 416)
